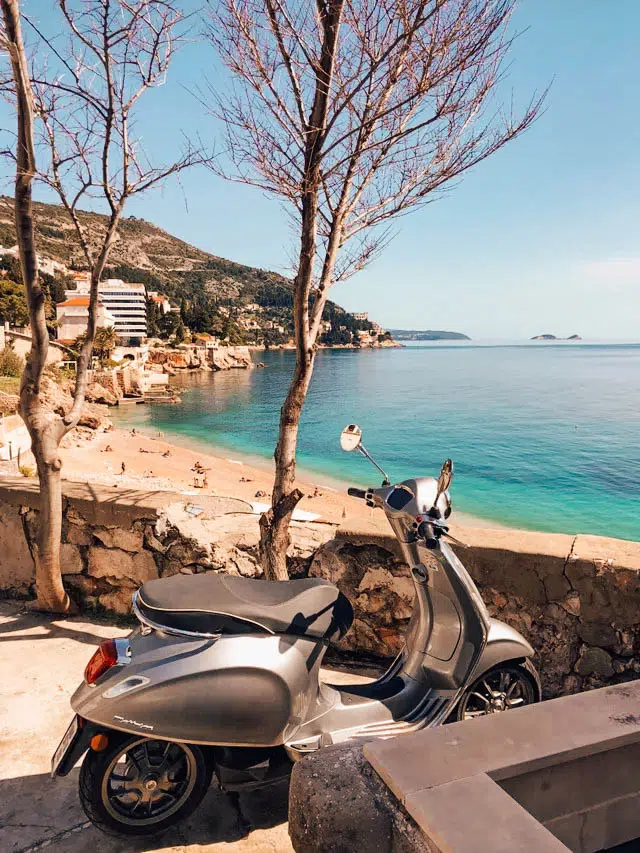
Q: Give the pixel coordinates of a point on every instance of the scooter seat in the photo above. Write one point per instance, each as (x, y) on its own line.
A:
(226, 604)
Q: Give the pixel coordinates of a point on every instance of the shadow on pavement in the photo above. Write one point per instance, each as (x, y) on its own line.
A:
(17, 623)
(37, 812)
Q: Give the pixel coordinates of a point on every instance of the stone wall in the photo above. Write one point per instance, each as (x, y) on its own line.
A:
(576, 598)
(113, 541)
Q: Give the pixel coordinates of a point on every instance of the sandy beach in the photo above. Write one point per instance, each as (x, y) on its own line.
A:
(152, 462)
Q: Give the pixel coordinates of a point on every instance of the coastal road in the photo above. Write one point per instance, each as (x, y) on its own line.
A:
(41, 662)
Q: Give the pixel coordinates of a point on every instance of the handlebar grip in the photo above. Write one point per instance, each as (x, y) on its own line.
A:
(356, 493)
(426, 531)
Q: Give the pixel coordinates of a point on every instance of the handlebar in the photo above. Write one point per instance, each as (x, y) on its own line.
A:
(356, 493)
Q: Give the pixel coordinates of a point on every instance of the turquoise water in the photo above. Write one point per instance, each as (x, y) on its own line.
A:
(543, 436)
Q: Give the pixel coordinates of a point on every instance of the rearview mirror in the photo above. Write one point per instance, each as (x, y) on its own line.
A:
(351, 438)
(446, 475)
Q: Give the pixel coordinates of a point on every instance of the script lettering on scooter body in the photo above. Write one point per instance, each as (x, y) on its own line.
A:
(135, 723)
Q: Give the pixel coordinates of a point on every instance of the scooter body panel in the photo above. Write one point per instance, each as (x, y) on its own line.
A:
(242, 690)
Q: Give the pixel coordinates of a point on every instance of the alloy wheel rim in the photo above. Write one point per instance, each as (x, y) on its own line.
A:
(497, 692)
(148, 781)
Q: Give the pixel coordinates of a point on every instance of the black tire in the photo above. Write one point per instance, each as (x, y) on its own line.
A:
(522, 673)
(109, 799)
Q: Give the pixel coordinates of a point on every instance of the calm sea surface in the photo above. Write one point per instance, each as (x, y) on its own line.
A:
(542, 436)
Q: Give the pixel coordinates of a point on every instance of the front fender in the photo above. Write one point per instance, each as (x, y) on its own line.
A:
(504, 643)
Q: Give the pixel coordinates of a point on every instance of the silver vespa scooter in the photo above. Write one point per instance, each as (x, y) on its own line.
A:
(222, 674)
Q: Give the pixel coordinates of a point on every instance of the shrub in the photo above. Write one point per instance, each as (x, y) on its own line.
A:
(10, 363)
(27, 471)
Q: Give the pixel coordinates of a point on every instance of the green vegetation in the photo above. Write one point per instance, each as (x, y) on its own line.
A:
(10, 363)
(104, 343)
(13, 303)
(179, 333)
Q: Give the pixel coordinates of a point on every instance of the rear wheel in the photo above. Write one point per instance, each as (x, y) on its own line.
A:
(139, 787)
(506, 686)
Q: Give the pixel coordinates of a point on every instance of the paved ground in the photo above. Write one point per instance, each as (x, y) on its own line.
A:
(41, 663)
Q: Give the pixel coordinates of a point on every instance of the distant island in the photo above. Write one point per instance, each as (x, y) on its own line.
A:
(553, 338)
(426, 335)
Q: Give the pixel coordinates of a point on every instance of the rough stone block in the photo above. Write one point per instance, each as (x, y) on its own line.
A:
(598, 633)
(118, 601)
(85, 587)
(17, 569)
(337, 804)
(556, 587)
(117, 537)
(78, 535)
(70, 560)
(594, 661)
(113, 562)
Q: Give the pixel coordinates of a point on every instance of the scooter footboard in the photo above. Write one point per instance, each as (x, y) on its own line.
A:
(252, 687)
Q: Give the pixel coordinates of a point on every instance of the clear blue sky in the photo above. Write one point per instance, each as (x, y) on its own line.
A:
(543, 237)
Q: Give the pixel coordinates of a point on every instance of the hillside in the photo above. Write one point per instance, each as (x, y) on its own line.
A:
(212, 292)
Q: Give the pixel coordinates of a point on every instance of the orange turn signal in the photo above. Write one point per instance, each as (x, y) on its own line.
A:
(99, 743)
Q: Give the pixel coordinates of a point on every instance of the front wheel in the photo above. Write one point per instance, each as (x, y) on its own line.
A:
(506, 686)
(140, 787)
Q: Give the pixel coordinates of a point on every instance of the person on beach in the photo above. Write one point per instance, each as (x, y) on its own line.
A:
(122, 468)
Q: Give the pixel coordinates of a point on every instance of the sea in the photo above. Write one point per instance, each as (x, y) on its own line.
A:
(543, 436)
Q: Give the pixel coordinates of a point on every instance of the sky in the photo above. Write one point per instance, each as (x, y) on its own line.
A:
(543, 237)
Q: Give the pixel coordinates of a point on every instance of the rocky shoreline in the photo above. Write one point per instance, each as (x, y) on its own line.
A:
(188, 358)
(386, 344)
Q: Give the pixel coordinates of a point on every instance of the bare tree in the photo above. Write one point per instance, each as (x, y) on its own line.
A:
(84, 99)
(353, 112)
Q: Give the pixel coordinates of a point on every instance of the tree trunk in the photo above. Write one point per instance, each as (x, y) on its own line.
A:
(50, 593)
(274, 524)
(45, 429)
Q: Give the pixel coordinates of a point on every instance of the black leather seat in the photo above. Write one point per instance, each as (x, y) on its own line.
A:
(215, 604)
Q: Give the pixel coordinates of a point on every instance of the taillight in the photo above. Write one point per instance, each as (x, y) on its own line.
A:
(104, 657)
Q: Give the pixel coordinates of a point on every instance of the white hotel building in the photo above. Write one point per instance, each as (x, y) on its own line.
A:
(121, 305)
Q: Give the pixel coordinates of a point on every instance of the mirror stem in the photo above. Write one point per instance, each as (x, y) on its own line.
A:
(367, 455)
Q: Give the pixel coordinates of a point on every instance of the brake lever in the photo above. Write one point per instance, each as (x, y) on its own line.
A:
(456, 541)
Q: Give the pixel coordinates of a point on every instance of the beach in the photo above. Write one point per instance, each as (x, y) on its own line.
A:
(534, 447)
(153, 463)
